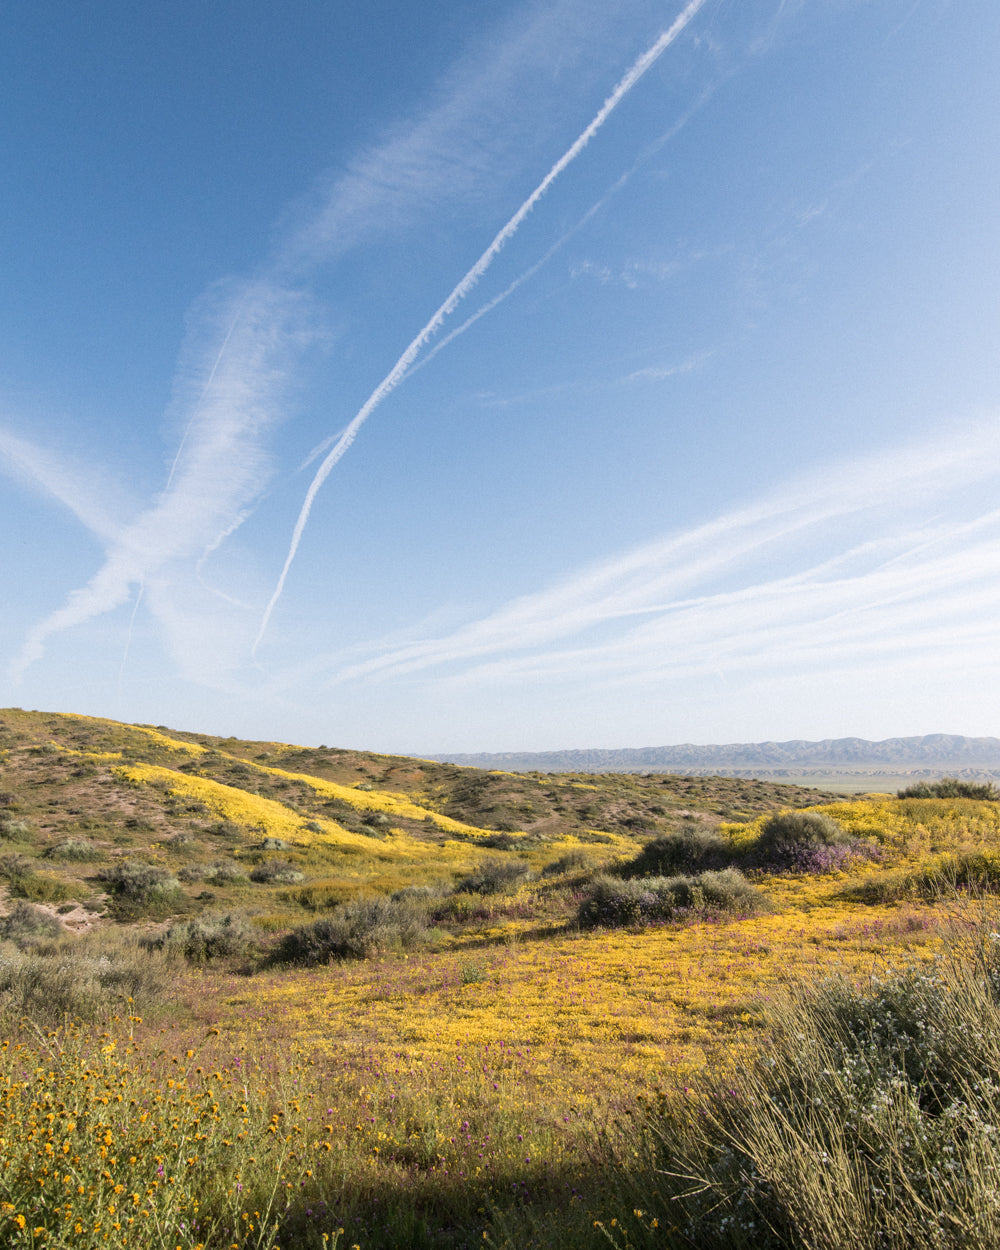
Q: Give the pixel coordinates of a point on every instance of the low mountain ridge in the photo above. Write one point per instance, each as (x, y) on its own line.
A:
(926, 753)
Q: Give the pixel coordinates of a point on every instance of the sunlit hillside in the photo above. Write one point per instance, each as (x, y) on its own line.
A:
(261, 995)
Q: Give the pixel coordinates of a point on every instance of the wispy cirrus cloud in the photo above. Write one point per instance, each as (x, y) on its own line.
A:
(740, 591)
(246, 340)
(226, 402)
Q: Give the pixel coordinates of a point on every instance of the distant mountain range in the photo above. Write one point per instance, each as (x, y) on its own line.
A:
(930, 754)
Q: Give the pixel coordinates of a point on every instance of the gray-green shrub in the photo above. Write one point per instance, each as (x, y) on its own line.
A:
(647, 900)
(493, 876)
(357, 930)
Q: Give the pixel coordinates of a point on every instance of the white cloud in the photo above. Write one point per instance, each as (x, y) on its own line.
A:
(738, 591)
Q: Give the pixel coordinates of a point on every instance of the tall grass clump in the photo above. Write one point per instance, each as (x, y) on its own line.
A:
(48, 976)
(868, 1117)
(613, 903)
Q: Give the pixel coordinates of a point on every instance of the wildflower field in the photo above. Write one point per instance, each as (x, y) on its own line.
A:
(256, 997)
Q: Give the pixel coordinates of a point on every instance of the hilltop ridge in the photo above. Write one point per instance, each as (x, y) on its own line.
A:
(837, 762)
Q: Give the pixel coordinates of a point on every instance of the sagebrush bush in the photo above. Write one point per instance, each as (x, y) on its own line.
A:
(15, 830)
(137, 882)
(26, 925)
(646, 900)
(575, 860)
(493, 876)
(276, 872)
(226, 874)
(78, 849)
(680, 851)
(357, 930)
(208, 938)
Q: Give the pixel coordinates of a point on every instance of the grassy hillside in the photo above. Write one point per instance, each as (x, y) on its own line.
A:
(253, 995)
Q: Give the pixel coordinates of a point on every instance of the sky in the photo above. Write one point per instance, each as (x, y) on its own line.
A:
(520, 375)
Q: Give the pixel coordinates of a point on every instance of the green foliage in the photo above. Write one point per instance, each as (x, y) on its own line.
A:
(950, 788)
(684, 850)
(77, 849)
(809, 842)
(15, 830)
(637, 901)
(576, 860)
(53, 977)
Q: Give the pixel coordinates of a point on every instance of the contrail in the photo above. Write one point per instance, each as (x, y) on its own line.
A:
(402, 365)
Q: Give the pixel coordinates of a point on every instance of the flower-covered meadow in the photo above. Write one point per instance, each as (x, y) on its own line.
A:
(476, 1066)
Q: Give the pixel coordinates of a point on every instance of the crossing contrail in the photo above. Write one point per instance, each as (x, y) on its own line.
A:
(465, 285)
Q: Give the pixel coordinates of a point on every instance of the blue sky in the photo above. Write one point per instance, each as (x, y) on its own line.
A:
(502, 376)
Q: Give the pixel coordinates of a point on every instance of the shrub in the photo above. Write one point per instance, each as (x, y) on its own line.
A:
(132, 879)
(86, 977)
(226, 874)
(969, 870)
(27, 925)
(647, 900)
(867, 1120)
(806, 842)
(494, 875)
(15, 830)
(357, 930)
(503, 840)
(276, 872)
(191, 872)
(209, 937)
(576, 860)
(681, 851)
(41, 887)
(137, 887)
(79, 849)
(950, 788)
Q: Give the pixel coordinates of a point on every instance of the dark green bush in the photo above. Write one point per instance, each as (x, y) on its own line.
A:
(681, 851)
(647, 900)
(950, 788)
(493, 876)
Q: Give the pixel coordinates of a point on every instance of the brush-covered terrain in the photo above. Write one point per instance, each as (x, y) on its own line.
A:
(253, 994)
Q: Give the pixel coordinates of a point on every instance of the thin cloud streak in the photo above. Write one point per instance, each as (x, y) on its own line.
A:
(907, 562)
(467, 283)
(221, 467)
